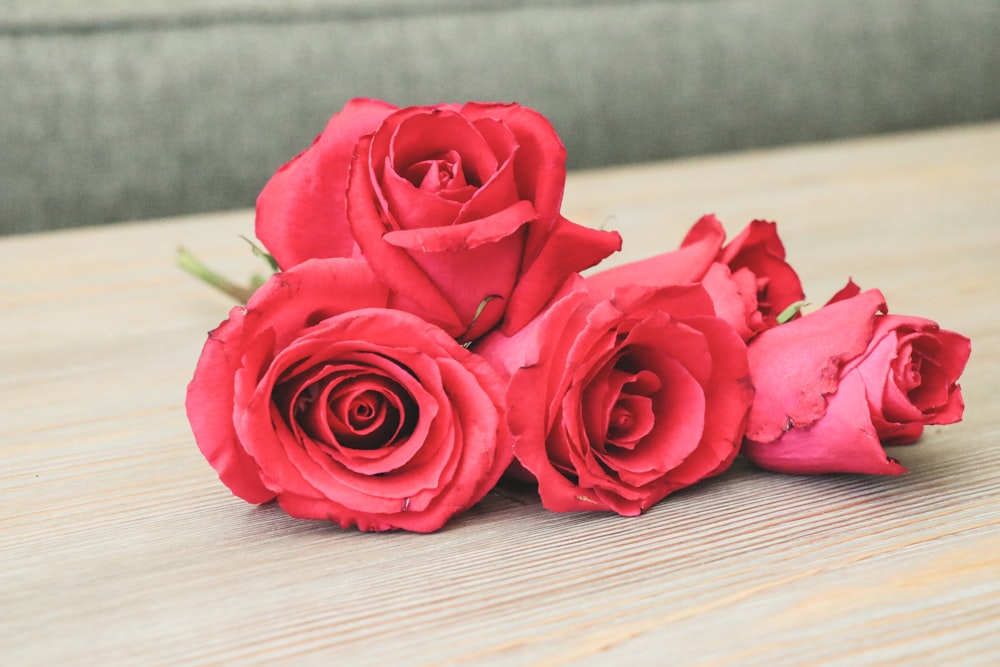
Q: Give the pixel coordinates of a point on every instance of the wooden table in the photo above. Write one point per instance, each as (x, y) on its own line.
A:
(118, 544)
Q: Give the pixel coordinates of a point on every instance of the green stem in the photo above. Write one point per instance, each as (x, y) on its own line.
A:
(196, 268)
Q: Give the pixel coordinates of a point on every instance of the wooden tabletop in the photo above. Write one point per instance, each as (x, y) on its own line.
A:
(118, 544)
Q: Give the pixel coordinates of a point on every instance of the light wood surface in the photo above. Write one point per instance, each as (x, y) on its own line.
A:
(118, 545)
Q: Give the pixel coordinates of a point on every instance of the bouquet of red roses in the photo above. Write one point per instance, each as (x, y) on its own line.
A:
(429, 331)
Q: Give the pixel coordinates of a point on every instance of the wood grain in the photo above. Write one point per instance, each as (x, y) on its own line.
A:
(118, 544)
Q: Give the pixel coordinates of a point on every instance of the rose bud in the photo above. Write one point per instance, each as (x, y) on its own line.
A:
(748, 279)
(434, 195)
(835, 385)
(317, 395)
(615, 403)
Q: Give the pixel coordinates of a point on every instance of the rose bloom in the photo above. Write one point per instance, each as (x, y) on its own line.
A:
(319, 396)
(456, 209)
(748, 279)
(615, 403)
(838, 383)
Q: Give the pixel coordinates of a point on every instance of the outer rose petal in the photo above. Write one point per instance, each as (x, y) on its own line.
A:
(209, 407)
(759, 283)
(730, 394)
(301, 212)
(795, 366)
(687, 264)
(735, 298)
(570, 248)
(842, 441)
(540, 168)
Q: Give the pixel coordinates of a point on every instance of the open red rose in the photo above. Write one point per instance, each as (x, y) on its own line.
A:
(615, 403)
(456, 208)
(748, 279)
(837, 384)
(319, 396)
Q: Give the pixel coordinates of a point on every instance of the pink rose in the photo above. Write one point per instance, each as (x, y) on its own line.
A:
(748, 279)
(837, 384)
(616, 403)
(456, 209)
(319, 396)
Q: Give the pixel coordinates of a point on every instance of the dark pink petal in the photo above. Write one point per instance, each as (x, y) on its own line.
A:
(760, 236)
(680, 420)
(414, 208)
(846, 292)
(296, 299)
(427, 135)
(844, 440)
(477, 297)
(796, 365)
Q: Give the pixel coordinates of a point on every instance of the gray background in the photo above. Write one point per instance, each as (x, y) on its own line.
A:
(129, 109)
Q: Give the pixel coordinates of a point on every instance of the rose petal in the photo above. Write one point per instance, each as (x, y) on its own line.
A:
(457, 238)
(728, 396)
(687, 264)
(844, 440)
(734, 297)
(301, 211)
(540, 167)
(569, 249)
(209, 404)
(759, 249)
(423, 135)
(796, 365)
(393, 266)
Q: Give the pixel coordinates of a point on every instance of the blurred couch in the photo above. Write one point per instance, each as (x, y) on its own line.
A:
(126, 109)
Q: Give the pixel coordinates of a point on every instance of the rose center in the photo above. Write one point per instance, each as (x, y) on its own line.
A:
(442, 174)
(631, 419)
(354, 409)
(621, 420)
(618, 406)
(362, 410)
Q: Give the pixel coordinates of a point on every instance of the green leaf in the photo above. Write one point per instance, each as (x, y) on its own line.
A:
(475, 317)
(263, 254)
(791, 311)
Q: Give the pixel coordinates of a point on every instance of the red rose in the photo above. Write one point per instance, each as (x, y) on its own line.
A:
(456, 208)
(837, 384)
(319, 396)
(749, 280)
(616, 403)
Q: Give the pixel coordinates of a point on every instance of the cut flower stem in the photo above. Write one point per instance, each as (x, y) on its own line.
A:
(198, 269)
